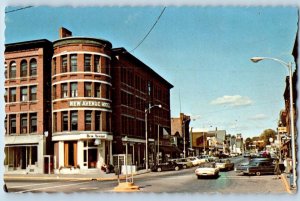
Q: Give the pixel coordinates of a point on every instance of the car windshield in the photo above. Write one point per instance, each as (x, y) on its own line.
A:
(207, 165)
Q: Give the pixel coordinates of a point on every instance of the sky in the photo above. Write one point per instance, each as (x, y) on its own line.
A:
(203, 51)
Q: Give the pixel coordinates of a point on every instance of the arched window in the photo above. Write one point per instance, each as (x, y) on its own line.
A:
(23, 68)
(12, 70)
(33, 67)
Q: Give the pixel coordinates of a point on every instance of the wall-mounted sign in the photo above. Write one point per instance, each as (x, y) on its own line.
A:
(89, 103)
(96, 136)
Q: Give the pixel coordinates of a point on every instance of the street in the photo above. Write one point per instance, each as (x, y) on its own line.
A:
(170, 181)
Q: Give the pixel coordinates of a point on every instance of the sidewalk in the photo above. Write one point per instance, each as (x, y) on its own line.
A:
(286, 180)
(102, 176)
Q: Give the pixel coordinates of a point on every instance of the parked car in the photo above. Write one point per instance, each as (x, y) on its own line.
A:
(213, 158)
(185, 162)
(170, 165)
(207, 170)
(256, 167)
(196, 161)
(225, 164)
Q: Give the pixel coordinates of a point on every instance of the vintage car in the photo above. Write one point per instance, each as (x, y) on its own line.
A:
(170, 165)
(207, 170)
(185, 162)
(225, 164)
(256, 167)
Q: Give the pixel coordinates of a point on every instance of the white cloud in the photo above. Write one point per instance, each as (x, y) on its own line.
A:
(258, 117)
(235, 100)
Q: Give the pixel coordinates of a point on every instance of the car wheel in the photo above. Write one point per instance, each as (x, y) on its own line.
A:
(176, 168)
(257, 173)
(159, 169)
(198, 176)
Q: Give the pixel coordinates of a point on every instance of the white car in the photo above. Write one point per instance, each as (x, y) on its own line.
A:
(196, 161)
(207, 170)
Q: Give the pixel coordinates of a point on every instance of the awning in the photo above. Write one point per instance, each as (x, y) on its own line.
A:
(169, 149)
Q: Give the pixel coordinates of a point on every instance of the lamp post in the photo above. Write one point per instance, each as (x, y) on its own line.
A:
(146, 130)
(289, 66)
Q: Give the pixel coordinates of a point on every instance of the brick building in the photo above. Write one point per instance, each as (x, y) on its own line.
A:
(70, 104)
(27, 107)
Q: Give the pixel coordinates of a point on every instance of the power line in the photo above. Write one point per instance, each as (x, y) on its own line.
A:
(149, 30)
(15, 10)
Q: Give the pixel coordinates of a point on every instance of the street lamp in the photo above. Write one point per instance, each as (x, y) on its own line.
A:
(146, 131)
(289, 66)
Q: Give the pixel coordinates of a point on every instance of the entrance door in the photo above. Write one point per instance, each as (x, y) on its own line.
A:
(90, 154)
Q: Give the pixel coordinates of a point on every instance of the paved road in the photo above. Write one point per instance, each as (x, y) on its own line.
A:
(172, 181)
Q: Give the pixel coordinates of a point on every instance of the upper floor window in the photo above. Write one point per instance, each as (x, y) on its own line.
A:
(23, 68)
(64, 90)
(98, 120)
(64, 64)
(88, 89)
(33, 67)
(64, 121)
(33, 122)
(74, 90)
(13, 70)
(23, 123)
(87, 62)
(97, 64)
(73, 63)
(23, 94)
(5, 95)
(88, 120)
(54, 66)
(12, 95)
(12, 124)
(97, 90)
(74, 120)
(33, 96)
(5, 72)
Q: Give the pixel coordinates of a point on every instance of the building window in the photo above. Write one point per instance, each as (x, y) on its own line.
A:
(5, 96)
(33, 67)
(64, 122)
(74, 89)
(33, 93)
(64, 64)
(12, 95)
(74, 120)
(23, 123)
(87, 62)
(12, 124)
(64, 90)
(98, 120)
(13, 70)
(88, 120)
(33, 123)
(54, 67)
(23, 94)
(5, 72)
(24, 68)
(98, 90)
(97, 64)
(5, 124)
(55, 122)
(88, 89)
(73, 62)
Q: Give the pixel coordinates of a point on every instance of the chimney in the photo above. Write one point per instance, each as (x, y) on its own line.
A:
(63, 32)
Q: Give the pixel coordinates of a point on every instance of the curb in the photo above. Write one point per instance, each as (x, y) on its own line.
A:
(285, 182)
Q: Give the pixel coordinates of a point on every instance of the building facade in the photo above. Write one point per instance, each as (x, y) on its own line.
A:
(27, 107)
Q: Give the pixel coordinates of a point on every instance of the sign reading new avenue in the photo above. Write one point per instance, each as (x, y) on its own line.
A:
(85, 103)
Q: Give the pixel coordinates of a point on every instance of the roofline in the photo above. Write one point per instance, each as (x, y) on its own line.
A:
(39, 42)
(124, 51)
(82, 38)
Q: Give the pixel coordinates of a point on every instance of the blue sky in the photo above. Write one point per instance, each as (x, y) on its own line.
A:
(203, 51)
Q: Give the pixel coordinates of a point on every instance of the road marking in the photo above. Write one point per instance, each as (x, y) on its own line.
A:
(52, 187)
(91, 188)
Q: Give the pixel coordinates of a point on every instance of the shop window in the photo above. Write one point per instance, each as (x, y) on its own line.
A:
(64, 90)
(87, 62)
(23, 123)
(12, 95)
(13, 70)
(23, 94)
(74, 90)
(23, 68)
(64, 64)
(33, 67)
(74, 120)
(88, 120)
(98, 120)
(73, 62)
(12, 124)
(88, 89)
(33, 93)
(64, 121)
(33, 122)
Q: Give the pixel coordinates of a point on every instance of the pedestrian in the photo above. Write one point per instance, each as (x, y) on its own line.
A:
(277, 169)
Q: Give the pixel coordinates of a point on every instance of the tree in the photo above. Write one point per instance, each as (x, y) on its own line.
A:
(248, 142)
(266, 135)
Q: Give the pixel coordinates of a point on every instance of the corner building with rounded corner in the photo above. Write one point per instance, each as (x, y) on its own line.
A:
(81, 103)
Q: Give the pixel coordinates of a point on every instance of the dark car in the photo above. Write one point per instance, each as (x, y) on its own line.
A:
(171, 165)
(256, 167)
